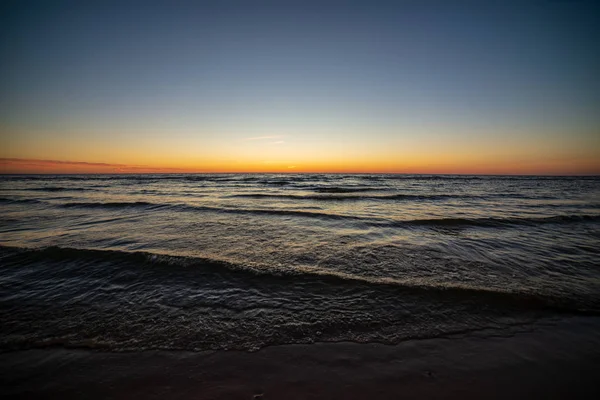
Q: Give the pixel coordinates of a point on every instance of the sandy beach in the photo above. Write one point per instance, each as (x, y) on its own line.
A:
(553, 360)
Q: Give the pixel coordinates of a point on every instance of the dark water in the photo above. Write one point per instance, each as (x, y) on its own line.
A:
(201, 262)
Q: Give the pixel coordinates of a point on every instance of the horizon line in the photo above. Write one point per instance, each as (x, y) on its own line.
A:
(290, 173)
(20, 166)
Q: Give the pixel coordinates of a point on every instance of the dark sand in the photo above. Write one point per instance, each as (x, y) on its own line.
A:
(558, 360)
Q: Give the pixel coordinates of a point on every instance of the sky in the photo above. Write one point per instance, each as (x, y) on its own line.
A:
(470, 87)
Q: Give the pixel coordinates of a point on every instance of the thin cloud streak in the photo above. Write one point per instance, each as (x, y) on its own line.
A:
(33, 161)
(264, 137)
(29, 165)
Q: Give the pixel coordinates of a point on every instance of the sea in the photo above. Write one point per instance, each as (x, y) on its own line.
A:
(196, 262)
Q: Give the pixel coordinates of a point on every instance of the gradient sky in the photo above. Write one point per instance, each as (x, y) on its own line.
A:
(403, 86)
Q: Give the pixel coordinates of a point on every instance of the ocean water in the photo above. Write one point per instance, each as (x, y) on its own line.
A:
(235, 261)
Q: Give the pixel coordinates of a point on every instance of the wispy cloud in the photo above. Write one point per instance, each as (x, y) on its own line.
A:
(33, 161)
(30, 165)
(264, 137)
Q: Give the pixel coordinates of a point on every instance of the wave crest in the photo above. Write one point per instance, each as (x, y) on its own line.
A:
(182, 266)
(490, 222)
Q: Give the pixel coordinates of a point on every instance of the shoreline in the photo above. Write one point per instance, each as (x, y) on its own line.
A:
(557, 360)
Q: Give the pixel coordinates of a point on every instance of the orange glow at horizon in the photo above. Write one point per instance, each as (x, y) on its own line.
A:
(34, 166)
(428, 150)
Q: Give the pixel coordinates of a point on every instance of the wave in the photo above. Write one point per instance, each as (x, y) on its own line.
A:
(429, 222)
(182, 267)
(115, 300)
(57, 189)
(407, 197)
(122, 204)
(347, 189)
(4, 200)
(499, 222)
(192, 208)
(398, 196)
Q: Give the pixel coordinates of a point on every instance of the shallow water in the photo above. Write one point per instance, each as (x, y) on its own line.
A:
(196, 262)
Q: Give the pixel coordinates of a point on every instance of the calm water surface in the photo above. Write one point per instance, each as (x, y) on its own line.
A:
(196, 262)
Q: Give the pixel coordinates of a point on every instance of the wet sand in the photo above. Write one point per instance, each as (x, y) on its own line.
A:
(557, 360)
